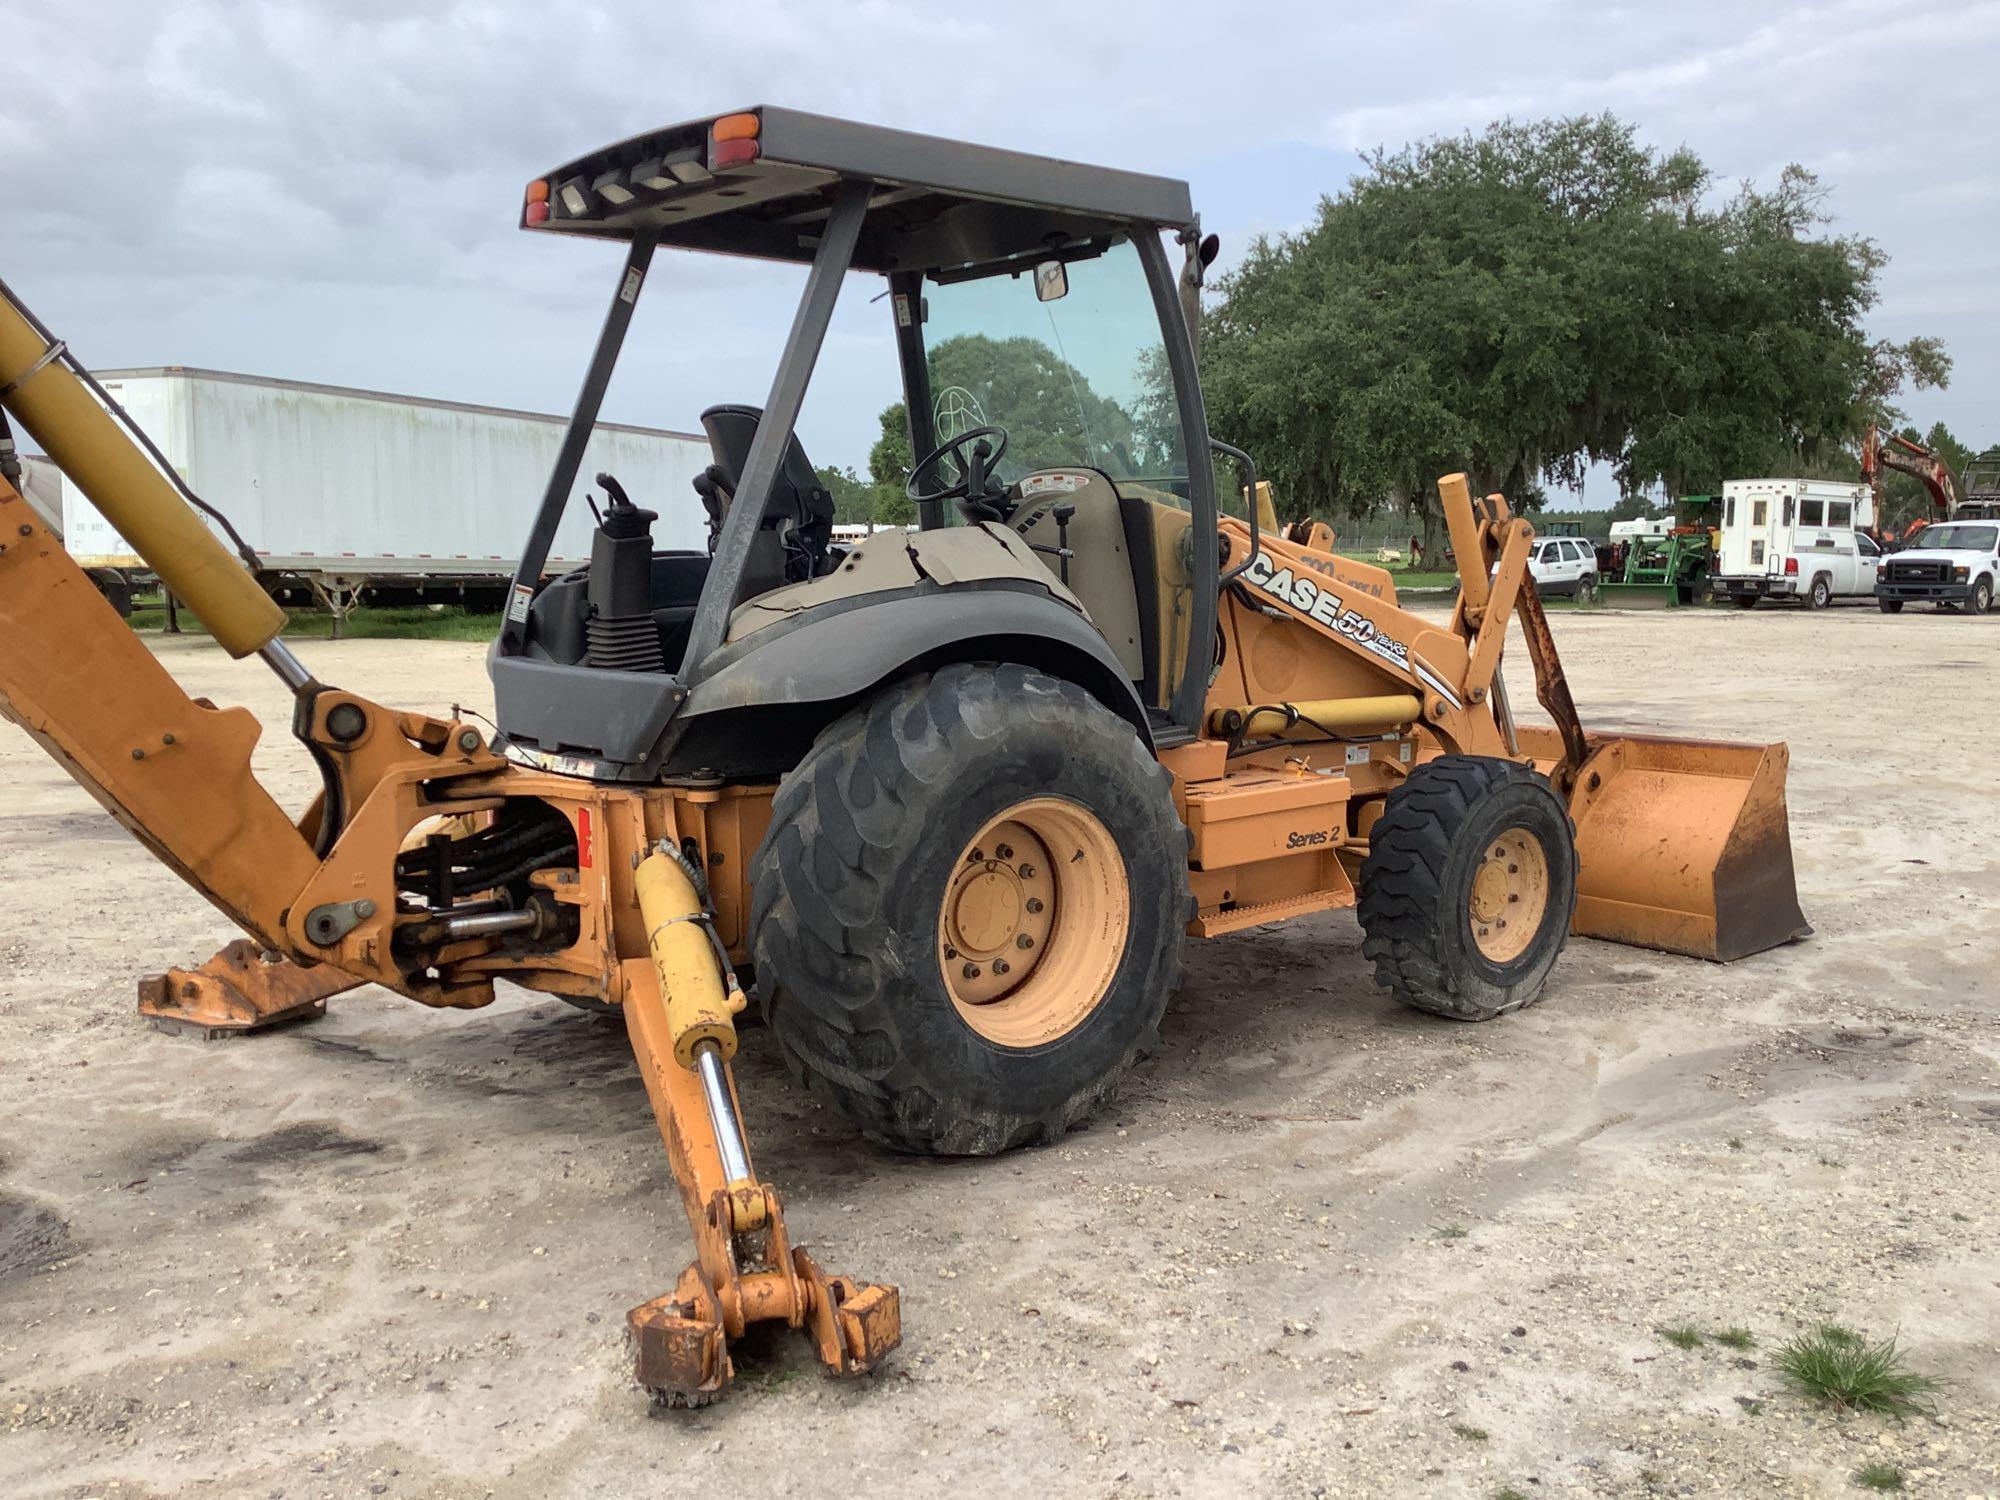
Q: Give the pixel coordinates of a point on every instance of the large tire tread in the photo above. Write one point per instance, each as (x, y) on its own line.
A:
(1403, 884)
(831, 974)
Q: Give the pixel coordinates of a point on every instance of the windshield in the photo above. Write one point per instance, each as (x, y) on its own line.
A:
(1958, 538)
(1078, 380)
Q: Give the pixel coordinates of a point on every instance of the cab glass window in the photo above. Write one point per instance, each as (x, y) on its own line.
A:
(1840, 513)
(1079, 380)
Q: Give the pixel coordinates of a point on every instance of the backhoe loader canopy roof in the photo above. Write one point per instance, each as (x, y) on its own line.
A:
(761, 182)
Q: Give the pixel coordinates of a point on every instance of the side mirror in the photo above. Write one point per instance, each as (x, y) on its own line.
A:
(1211, 246)
(1051, 281)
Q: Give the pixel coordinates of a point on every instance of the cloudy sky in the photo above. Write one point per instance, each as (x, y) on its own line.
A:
(328, 191)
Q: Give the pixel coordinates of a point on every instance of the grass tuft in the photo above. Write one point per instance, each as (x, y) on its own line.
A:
(1839, 1366)
(1449, 1231)
(1736, 1143)
(1878, 1477)
(1681, 1335)
(1735, 1338)
(1469, 1433)
(1508, 1492)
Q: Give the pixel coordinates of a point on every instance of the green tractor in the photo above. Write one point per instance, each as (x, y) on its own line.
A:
(1663, 568)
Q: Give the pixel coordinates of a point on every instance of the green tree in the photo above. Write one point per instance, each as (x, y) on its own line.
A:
(1536, 298)
(889, 467)
(853, 498)
(1051, 413)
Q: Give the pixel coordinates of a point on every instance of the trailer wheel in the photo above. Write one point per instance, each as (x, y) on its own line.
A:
(116, 589)
(968, 911)
(1468, 888)
(1889, 606)
(1821, 593)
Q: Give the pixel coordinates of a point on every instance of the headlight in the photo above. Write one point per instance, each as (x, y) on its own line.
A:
(1959, 575)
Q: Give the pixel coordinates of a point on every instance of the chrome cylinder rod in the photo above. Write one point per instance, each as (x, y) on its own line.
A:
(490, 923)
(714, 1074)
(291, 671)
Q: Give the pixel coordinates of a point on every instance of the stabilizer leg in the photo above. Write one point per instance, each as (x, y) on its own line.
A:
(745, 1269)
(242, 989)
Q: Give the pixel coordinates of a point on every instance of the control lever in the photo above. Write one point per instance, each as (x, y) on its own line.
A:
(1061, 552)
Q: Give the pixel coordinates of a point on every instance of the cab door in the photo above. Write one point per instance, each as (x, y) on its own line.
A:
(1867, 563)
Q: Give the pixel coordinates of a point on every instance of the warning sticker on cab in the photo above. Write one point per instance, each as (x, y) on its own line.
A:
(1052, 484)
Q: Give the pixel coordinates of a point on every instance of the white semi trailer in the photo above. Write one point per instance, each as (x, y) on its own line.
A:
(351, 493)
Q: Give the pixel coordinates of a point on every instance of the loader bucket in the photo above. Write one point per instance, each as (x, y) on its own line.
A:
(1684, 845)
(1637, 595)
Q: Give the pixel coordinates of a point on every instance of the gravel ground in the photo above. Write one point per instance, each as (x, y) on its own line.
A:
(1319, 1246)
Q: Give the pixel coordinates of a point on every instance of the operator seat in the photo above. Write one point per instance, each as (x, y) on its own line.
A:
(794, 534)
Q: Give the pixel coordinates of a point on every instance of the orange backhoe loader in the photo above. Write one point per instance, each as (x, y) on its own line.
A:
(949, 800)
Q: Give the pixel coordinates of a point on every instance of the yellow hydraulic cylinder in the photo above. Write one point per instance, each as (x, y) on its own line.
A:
(59, 412)
(1384, 711)
(690, 973)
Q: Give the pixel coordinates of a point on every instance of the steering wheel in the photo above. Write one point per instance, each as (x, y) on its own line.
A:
(976, 500)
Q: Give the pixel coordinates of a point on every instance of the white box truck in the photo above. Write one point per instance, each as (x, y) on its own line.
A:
(348, 491)
(1796, 539)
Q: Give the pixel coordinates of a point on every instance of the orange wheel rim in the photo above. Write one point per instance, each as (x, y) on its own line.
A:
(1034, 922)
(1510, 895)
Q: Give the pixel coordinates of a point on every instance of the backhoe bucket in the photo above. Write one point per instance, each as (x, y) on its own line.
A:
(1683, 845)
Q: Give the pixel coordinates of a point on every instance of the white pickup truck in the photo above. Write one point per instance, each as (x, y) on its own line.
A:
(1797, 539)
(1954, 562)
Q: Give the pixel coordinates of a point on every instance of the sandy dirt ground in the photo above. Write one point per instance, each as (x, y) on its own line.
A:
(1319, 1246)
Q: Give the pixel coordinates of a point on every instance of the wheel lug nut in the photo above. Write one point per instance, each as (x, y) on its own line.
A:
(1024, 941)
(1027, 872)
(970, 971)
(1513, 869)
(999, 966)
(977, 856)
(1034, 905)
(1003, 851)
(950, 952)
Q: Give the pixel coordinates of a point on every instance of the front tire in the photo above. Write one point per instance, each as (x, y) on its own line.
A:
(1982, 596)
(969, 909)
(1586, 589)
(1468, 888)
(1890, 606)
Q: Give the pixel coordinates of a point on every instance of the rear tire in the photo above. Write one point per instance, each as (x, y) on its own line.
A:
(1746, 601)
(884, 850)
(1890, 606)
(1452, 855)
(1821, 593)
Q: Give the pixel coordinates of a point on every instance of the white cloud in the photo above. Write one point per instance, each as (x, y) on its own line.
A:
(327, 188)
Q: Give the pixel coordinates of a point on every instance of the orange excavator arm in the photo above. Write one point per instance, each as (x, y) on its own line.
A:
(1892, 450)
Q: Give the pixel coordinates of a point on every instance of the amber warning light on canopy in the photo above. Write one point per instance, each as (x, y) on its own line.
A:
(732, 141)
(536, 210)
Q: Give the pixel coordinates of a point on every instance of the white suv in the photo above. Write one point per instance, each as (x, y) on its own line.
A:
(1564, 565)
(1954, 562)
